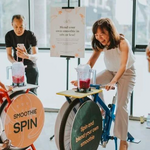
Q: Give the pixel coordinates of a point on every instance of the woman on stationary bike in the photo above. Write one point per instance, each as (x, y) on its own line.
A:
(119, 61)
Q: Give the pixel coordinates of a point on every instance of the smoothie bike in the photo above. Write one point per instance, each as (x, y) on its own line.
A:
(21, 112)
(79, 124)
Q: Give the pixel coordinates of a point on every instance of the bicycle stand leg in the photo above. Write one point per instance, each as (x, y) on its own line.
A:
(52, 137)
(115, 139)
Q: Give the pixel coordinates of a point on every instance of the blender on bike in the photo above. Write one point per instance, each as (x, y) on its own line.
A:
(18, 71)
(84, 72)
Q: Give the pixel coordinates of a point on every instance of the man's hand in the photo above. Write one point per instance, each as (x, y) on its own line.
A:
(22, 53)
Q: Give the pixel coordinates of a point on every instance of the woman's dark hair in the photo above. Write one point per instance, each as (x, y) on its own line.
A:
(114, 36)
(17, 17)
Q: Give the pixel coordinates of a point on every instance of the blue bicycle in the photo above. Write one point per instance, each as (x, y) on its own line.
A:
(79, 124)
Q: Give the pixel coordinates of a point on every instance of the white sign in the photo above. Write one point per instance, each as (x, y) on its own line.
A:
(67, 30)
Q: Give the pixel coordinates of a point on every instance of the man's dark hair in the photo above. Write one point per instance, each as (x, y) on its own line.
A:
(18, 17)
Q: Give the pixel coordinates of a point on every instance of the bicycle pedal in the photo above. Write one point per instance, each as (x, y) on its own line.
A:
(112, 137)
(109, 105)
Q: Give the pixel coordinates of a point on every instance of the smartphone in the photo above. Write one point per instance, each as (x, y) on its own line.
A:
(21, 46)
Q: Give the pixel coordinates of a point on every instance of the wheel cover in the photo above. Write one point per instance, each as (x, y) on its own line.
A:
(24, 129)
(87, 127)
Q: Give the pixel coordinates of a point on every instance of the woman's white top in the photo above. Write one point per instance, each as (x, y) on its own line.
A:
(112, 58)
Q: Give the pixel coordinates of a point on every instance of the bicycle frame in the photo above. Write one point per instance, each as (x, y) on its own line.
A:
(109, 117)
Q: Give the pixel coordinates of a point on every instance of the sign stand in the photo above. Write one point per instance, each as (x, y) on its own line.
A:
(67, 58)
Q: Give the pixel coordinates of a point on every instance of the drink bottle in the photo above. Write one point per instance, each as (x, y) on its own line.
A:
(148, 121)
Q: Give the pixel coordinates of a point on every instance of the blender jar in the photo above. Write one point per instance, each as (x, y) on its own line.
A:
(83, 76)
(18, 70)
(18, 73)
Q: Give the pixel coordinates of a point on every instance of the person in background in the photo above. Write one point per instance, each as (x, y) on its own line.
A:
(119, 61)
(27, 53)
(6, 144)
(148, 56)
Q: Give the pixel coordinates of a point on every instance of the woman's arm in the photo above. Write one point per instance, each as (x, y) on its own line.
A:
(94, 58)
(124, 48)
(7, 88)
(91, 62)
(2, 85)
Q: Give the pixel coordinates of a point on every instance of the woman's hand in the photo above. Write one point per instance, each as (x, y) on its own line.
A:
(110, 86)
(75, 83)
(9, 88)
(22, 53)
(6, 88)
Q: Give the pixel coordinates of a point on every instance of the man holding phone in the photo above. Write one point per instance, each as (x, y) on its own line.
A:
(24, 45)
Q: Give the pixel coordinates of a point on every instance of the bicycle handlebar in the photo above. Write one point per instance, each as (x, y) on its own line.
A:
(98, 86)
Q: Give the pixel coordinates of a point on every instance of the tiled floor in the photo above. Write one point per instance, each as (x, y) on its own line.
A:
(138, 130)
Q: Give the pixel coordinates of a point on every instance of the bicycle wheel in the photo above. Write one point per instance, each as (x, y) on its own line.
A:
(2, 114)
(23, 121)
(66, 125)
(58, 122)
